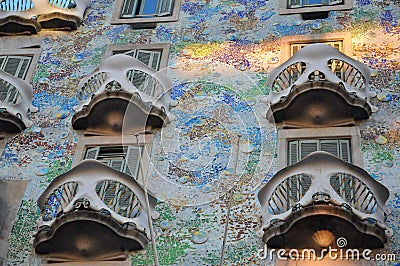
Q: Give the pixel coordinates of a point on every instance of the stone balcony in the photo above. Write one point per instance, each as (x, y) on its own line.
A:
(19, 17)
(122, 94)
(318, 87)
(322, 194)
(15, 103)
(92, 213)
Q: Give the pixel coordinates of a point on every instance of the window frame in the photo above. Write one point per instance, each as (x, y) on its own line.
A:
(287, 135)
(145, 141)
(144, 22)
(287, 41)
(285, 10)
(163, 47)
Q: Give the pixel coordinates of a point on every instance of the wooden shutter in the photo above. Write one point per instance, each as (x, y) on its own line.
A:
(149, 58)
(335, 2)
(295, 3)
(16, 65)
(331, 146)
(345, 153)
(293, 152)
(132, 161)
(307, 147)
(129, 8)
(117, 164)
(164, 7)
(92, 153)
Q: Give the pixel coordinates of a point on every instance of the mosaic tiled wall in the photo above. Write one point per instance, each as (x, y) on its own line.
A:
(210, 110)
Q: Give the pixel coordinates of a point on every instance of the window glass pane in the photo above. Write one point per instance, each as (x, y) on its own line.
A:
(148, 7)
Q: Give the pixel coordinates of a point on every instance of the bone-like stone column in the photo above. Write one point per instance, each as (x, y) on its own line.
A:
(11, 193)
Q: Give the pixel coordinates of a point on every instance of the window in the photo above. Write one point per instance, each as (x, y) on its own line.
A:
(342, 142)
(294, 47)
(292, 44)
(146, 12)
(155, 55)
(298, 149)
(17, 66)
(310, 3)
(125, 159)
(311, 9)
(152, 55)
(146, 8)
(129, 155)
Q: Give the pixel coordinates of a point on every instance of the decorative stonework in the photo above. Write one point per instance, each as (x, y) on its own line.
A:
(122, 86)
(92, 195)
(336, 81)
(319, 188)
(28, 17)
(17, 104)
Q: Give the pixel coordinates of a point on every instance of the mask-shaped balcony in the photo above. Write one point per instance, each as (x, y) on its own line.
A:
(319, 199)
(319, 87)
(15, 103)
(19, 17)
(92, 213)
(120, 87)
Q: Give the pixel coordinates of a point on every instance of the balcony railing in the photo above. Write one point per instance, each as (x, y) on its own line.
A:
(123, 79)
(15, 103)
(29, 16)
(324, 180)
(320, 62)
(95, 192)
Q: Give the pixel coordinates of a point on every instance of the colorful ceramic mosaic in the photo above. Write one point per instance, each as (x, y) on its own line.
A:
(194, 156)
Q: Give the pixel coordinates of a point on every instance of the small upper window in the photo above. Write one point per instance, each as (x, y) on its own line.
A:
(146, 8)
(295, 47)
(312, 9)
(125, 159)
(146, 11)
(298, 149)
(310, 3)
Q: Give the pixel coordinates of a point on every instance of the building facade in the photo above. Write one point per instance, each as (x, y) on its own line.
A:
(215, 132)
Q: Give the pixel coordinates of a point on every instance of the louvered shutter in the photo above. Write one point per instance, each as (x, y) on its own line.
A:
(92, 153)
(307, 147)
(295, 3)
(293, 152)
(164, 7)
(345, 154)
(149, 58)
(17, 65)
(132, 161)
(330, 146)
(129, 8)
(335, 2)
(117, 164)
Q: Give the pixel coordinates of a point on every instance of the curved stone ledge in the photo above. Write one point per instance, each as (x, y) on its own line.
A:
(14, 116)
(43, 14)
(114, 82)
(320, 167)
(106, 114)
(309, 220)
(88, 236)
(319, 104)
(78, 224)
(323, 65)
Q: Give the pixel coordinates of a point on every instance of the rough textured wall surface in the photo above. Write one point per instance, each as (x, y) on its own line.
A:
(246, 35)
